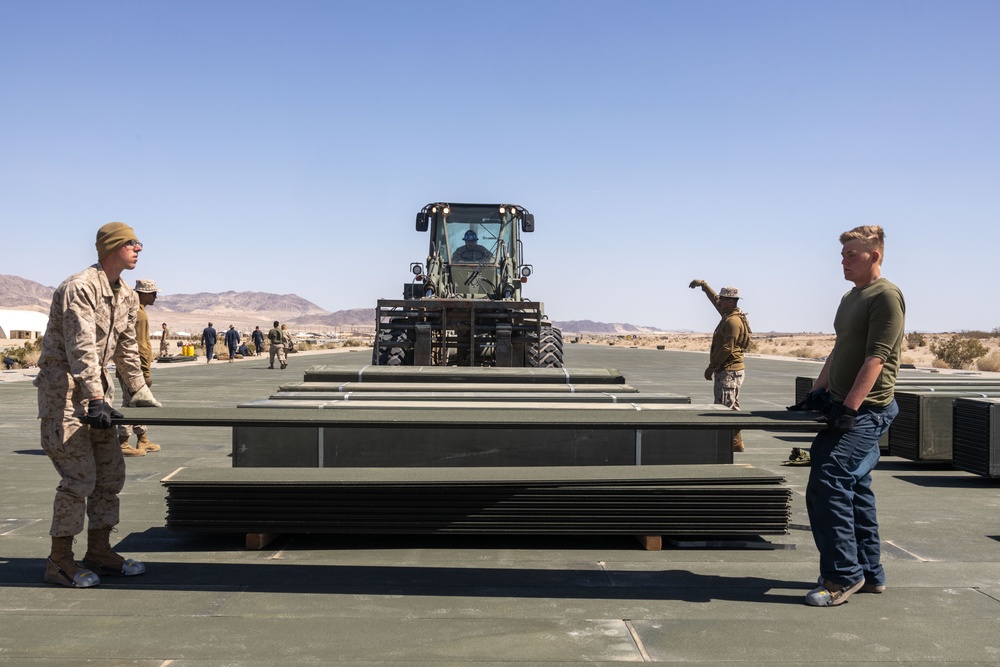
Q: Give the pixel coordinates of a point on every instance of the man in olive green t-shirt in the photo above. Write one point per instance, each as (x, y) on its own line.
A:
(854, 392)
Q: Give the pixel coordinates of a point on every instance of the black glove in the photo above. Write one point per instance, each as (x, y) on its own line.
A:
(839, 418)
(817, 399)
(99, 415)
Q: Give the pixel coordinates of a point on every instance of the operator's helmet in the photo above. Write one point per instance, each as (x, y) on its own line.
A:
(470, 236)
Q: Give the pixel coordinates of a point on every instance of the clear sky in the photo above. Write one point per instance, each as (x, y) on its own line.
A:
(286, 147)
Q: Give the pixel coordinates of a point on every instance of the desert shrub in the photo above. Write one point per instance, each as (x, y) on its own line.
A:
(958, 351)
(754, 346)
(977, 334)
(27, 355)
(914, 339)
(805, 353)
(991, 362)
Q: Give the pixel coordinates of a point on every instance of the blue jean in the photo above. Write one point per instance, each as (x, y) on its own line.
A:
(841, 502)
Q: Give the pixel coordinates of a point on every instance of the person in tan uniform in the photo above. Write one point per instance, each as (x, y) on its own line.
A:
(91, 323)
(729, 342)
(146, 291)
(164, 347)
(276, 337)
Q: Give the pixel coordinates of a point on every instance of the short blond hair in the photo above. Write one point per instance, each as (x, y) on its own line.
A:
(872, 238)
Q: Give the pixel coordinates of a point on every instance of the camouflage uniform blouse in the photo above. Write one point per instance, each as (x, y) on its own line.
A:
(89, 326)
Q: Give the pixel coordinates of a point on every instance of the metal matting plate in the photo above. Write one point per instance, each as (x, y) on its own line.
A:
(453, 387)
(465, 374)
(594, 417)
(440, 397)
(561, 475)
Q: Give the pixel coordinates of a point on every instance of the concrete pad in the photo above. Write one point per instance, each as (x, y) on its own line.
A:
(207, 601)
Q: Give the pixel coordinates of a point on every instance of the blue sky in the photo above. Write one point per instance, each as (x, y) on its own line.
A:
(286, 147)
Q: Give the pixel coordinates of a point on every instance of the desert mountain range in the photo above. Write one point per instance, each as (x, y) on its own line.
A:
(248, 309)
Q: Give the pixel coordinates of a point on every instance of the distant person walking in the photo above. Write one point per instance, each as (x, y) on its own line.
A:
(146, 291)
(277, 348)
(729, 342)
(164, 334)
(258, 340)
(208, 339)
(232, 342)
(855, 391)
(286, 336)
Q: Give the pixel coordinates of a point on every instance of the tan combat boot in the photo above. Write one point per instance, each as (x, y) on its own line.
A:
(144, 445)
(738, 442)
(60, 568)
(102, 559)
(129, 451)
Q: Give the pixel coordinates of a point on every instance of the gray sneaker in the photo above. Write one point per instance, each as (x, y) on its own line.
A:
(829, 594)
(867, 588)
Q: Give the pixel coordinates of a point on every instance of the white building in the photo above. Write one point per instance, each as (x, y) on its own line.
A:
(22, 324)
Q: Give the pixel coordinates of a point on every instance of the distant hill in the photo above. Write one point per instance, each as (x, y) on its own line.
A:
(249, 309)
(193, 311)
(16, 292)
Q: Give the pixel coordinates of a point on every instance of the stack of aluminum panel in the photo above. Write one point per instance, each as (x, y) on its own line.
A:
(402, 435)
(466, 374)
(976, 437)
(923, 429)
(527, 399)
(709, 500)
(477, 396)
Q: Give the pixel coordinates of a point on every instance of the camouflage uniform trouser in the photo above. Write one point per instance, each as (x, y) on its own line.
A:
(126, 430)
(277, 351)
(727, 388)
(92, 471)
(727, 392)
(164, 348)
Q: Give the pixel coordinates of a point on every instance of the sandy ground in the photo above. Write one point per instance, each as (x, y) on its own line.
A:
(799, 345)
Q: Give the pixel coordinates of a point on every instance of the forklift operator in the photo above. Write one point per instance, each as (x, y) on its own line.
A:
(471, 252)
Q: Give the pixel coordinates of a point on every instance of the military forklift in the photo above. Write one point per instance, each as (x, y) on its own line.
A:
(463, 306)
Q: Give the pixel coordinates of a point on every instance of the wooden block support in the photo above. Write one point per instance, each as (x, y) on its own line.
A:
(651, 542)
(257, 541)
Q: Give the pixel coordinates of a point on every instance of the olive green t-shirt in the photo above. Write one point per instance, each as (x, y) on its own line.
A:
(869, 323)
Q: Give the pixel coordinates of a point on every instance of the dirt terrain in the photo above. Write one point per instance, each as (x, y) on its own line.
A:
(800, 345)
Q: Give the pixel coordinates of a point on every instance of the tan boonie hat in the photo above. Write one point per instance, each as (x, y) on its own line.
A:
(143, 285)
(729, 293)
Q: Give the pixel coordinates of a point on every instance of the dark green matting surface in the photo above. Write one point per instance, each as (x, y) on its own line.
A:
(459, 374)
(478, 396)
(598, 416)
(455, 387)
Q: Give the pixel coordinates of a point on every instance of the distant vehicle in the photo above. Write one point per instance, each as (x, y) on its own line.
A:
(464, 305)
